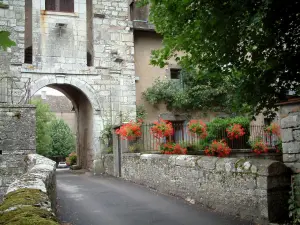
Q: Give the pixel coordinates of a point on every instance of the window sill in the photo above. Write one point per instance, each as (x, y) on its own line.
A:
(55, 13)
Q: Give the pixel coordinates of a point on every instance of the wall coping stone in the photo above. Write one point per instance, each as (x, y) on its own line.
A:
(243, 187)
(40, 178)
(262, 167)
(37, 176)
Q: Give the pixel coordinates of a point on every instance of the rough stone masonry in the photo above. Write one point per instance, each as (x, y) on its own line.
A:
(17, 139)
(253, 189)
(290, 131)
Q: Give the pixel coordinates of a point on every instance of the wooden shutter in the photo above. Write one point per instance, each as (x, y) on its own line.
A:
(66, 5)
(50, 5)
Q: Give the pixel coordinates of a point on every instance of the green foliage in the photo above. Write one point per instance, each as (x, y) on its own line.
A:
(217, 128)
(135, 146)
(220, 124)
(140, 112)
(196, 148)
(43, 120)
(106, 138)
(278, 145)
(254, 141)
(253, 45)
(166, 92)
(294, 201)
(5, 41)
(195, 92)
(63, 140)
(26, 213)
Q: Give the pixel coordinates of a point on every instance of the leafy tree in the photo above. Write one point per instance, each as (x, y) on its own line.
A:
(254, 45)
(43, 119)
(5, 41)
(63, 140)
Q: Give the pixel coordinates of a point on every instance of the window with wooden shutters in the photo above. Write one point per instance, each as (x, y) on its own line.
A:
(60, 5)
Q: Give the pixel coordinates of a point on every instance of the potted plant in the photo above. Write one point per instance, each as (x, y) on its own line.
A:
(198, 128)
(130, 131)
(218, 148)
(258, 146)
(162, 128)
(235, 131)
(274, 128)
(172, 148)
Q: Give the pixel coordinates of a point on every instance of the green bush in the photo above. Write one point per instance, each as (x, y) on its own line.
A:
(63, 141)
(195, 148)
(217, 128)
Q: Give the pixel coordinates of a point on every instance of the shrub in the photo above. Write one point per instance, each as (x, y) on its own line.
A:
(172, 148)
(235, 131)
(278, 145)
(162, 128)
(217, 130)
(217, 126)
(198, 128)
(135, 146)
(195, 148)
(72, 159)
(218, 148)
(130, 131)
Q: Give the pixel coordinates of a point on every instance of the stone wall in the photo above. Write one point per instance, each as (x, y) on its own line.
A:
(17, 139)
(290, 131)
(33, 195)
(253, 189)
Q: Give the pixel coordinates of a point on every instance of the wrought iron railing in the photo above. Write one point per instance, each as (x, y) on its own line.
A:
(13, 90)
(181, 135)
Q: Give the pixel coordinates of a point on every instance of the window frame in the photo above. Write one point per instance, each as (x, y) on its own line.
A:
(58, 4)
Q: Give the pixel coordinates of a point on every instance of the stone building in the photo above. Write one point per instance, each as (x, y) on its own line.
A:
(82, 48)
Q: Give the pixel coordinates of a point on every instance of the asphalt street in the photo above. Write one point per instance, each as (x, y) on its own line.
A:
(88, 200)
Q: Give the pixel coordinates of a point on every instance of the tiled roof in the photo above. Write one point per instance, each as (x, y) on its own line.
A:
(57, 104)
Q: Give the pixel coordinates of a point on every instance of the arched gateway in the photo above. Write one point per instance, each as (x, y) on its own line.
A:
(87, 110)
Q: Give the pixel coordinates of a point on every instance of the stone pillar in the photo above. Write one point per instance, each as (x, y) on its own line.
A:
(290, 132)
(117, 151)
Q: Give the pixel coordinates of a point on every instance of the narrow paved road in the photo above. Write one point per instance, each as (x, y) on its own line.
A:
(89, 200)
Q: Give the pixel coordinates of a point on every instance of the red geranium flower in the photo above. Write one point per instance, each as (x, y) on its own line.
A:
(198, 128)
(259, 147)
(235, 131)
(218, 148)
(274, 128)
(130, 131)
(172, 149)
(162, 128)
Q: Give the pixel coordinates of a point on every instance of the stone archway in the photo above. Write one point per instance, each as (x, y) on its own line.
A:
(87, 110)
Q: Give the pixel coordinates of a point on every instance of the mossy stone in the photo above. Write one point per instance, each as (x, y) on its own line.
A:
(28, 210)
(23, 196)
